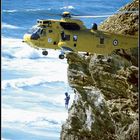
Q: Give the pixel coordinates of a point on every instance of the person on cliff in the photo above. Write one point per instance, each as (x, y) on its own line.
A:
(67, 100)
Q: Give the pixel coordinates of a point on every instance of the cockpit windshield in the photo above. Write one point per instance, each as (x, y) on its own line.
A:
(37, 32)
(34, 29)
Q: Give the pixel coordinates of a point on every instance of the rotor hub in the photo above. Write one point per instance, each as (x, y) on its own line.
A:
(66, 15)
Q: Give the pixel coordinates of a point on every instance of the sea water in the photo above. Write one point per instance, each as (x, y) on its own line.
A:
(33, 85)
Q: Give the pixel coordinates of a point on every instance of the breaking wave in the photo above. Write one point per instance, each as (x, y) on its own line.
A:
(13, 47)
(23, 82)
(9, 26)
(9, 11)
(68, 7)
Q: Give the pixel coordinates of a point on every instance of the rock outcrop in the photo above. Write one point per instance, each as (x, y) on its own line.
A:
(126, 23)
(106, 89)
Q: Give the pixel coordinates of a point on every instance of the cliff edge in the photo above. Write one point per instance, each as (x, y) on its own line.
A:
(105, 106)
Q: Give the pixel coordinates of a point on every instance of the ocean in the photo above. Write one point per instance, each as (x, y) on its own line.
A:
(33, 85)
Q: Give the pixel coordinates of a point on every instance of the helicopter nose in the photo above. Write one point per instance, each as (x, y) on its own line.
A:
(26, 38)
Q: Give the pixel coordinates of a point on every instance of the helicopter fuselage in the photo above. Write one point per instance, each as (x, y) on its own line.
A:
(71, 35)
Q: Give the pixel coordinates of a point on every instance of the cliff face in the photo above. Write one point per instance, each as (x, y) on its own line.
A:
(106, 89)
(123, 23)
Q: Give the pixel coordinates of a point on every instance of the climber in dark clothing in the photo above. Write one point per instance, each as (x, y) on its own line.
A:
(67, 100)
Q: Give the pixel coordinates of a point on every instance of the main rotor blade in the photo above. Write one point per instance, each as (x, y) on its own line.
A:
(104, 16)
(100, 16)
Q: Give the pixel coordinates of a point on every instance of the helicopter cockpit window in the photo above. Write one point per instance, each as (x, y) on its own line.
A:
(70, 26)
(37, 30)
(33, 30)
(42, 32)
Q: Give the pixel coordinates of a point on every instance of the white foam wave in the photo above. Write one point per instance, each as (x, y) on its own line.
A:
(32, 10)
(9, 11)
(9, 26)
(50, 67)
(40, 70)
(16, 48)
(8, 43)
(27, 10)
(35, 10)
(37, 117)
(67, 7)
(27, 53)
(5, 139)
(23, 82)
(37, 133)
(38, 100)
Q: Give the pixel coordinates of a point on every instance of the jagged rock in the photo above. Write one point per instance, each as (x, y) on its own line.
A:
(126, 23)
(106, 90)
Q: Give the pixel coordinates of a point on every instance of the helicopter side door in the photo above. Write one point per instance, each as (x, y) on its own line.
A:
(69, 35)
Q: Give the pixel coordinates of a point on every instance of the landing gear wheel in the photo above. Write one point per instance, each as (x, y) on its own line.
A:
(45, 53)
(61, 56)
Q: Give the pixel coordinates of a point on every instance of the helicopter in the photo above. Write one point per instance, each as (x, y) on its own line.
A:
(69, 34)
